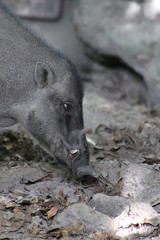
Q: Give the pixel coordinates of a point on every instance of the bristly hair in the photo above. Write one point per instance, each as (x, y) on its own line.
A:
(45, 44)
(76, 72)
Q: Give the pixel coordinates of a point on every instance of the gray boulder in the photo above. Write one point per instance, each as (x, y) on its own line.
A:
(123, 34)
(110, 205)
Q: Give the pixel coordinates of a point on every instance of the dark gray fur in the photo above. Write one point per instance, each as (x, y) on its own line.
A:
(42, 90)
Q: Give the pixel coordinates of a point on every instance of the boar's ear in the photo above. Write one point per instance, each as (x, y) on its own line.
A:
(43, 75)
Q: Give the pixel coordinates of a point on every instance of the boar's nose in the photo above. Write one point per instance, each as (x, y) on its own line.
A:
(86, 173)
(74, 153)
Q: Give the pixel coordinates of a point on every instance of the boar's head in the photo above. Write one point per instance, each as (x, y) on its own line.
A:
(55, 117)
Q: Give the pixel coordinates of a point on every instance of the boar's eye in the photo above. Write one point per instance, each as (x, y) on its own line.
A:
(67, 107)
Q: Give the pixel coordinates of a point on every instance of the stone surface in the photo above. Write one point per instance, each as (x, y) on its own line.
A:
(137, 214)
(141, 182)
(109, 205)
(80, 212)
(118, 34)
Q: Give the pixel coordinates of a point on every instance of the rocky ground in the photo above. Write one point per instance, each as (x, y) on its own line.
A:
(40, 200)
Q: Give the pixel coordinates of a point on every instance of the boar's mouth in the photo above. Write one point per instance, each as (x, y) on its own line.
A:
(77, 160)
(84, 172)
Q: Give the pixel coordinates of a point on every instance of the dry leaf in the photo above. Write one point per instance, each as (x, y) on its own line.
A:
(99, 235)
(74, 228)
(35, 230)
(118, 187)
(63, 197)
(19, 215)
(17, 210)
(57, 232)
(151, 159)
(52, 212)
(8, 146)
(63, 233)
(12, 164)
(36, 200)
(10, 205)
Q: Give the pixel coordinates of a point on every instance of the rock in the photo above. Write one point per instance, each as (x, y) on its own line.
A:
(80, 212)
(138, 219)
(141, 183)
(118, 35)
(141, 214)
(17, 177)
(109, 205)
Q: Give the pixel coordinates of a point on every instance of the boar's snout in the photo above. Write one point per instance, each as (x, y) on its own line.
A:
(84, 173)
(80, 164)
(74, 153)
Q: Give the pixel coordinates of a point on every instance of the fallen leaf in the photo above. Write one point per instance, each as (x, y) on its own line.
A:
(99, 155)
(12, 164)
(74, 228)
(35, 230)
(63, 233)
(102, 128)
(151, 159)
(118, 187)
(52, 212)
(16, 210)
(36, 200)
(10, 205)
(9, 146)
(99, 235)
(19, 215)
(57, 232)
(129, 141)
(63, 197)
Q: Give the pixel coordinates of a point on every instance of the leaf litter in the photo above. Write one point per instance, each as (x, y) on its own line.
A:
(29, 212)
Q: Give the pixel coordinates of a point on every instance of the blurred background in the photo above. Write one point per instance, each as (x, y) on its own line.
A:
(53, 20)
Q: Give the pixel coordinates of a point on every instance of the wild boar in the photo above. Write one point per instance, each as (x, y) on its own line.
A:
(42, 90)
